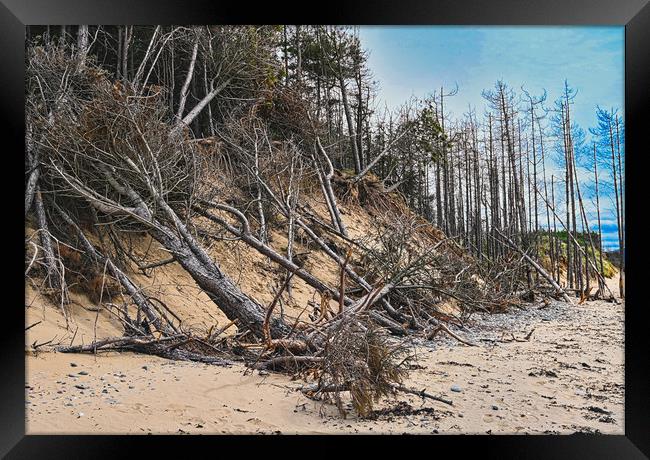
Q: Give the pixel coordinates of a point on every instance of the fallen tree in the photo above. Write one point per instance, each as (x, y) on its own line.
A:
(536, 266)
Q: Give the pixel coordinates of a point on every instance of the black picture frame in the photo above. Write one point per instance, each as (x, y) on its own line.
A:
(633, 14)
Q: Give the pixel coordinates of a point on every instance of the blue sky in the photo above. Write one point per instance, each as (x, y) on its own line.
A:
(416, 60)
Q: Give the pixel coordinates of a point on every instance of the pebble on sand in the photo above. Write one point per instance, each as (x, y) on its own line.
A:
(456, 388)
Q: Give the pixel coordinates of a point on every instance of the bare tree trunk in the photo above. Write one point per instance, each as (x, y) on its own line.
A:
(551, 236)
(82, 44)
(477, 196)
(126, 41)
(217, 285)
(260, 207)
(620, 182)
(205, 89)
(298, 54)
(359, 118)
(54, 268)
(178, 240)
(192, 114)
(33, 165)
(568, 180)
(622, 214)
(186, 85)
(348, 118)
(118, 57)
(557, 241)
(618, 211)
(291, 203)
(140, 72)
(600, 232)
(573, 178)
(326, 182)
(286, 55)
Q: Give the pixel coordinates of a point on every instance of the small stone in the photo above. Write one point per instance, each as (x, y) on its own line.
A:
(73, 365)
(81, 414)
(82, 373)
(72, 375)
(495, 407)
(456, 388)
(81, 387)
(263, 372)
(145, 367)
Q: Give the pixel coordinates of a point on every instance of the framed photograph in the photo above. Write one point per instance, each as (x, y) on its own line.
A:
(404, 219)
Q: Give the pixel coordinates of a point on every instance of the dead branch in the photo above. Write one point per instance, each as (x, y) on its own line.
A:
(536, 266)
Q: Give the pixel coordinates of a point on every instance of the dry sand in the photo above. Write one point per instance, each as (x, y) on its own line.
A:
(568, 377)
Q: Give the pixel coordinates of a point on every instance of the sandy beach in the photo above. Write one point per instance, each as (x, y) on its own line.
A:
(567, 377)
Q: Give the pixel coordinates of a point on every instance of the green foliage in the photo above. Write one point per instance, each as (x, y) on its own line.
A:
(427, 133)
(326, 52)
(609, 269)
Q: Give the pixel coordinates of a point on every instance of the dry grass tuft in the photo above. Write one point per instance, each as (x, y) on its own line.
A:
(359, 359)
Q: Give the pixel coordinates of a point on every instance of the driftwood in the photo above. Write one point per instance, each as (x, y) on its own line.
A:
(442, 327)
(172, 347)
(284, 361)
(315, 389)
